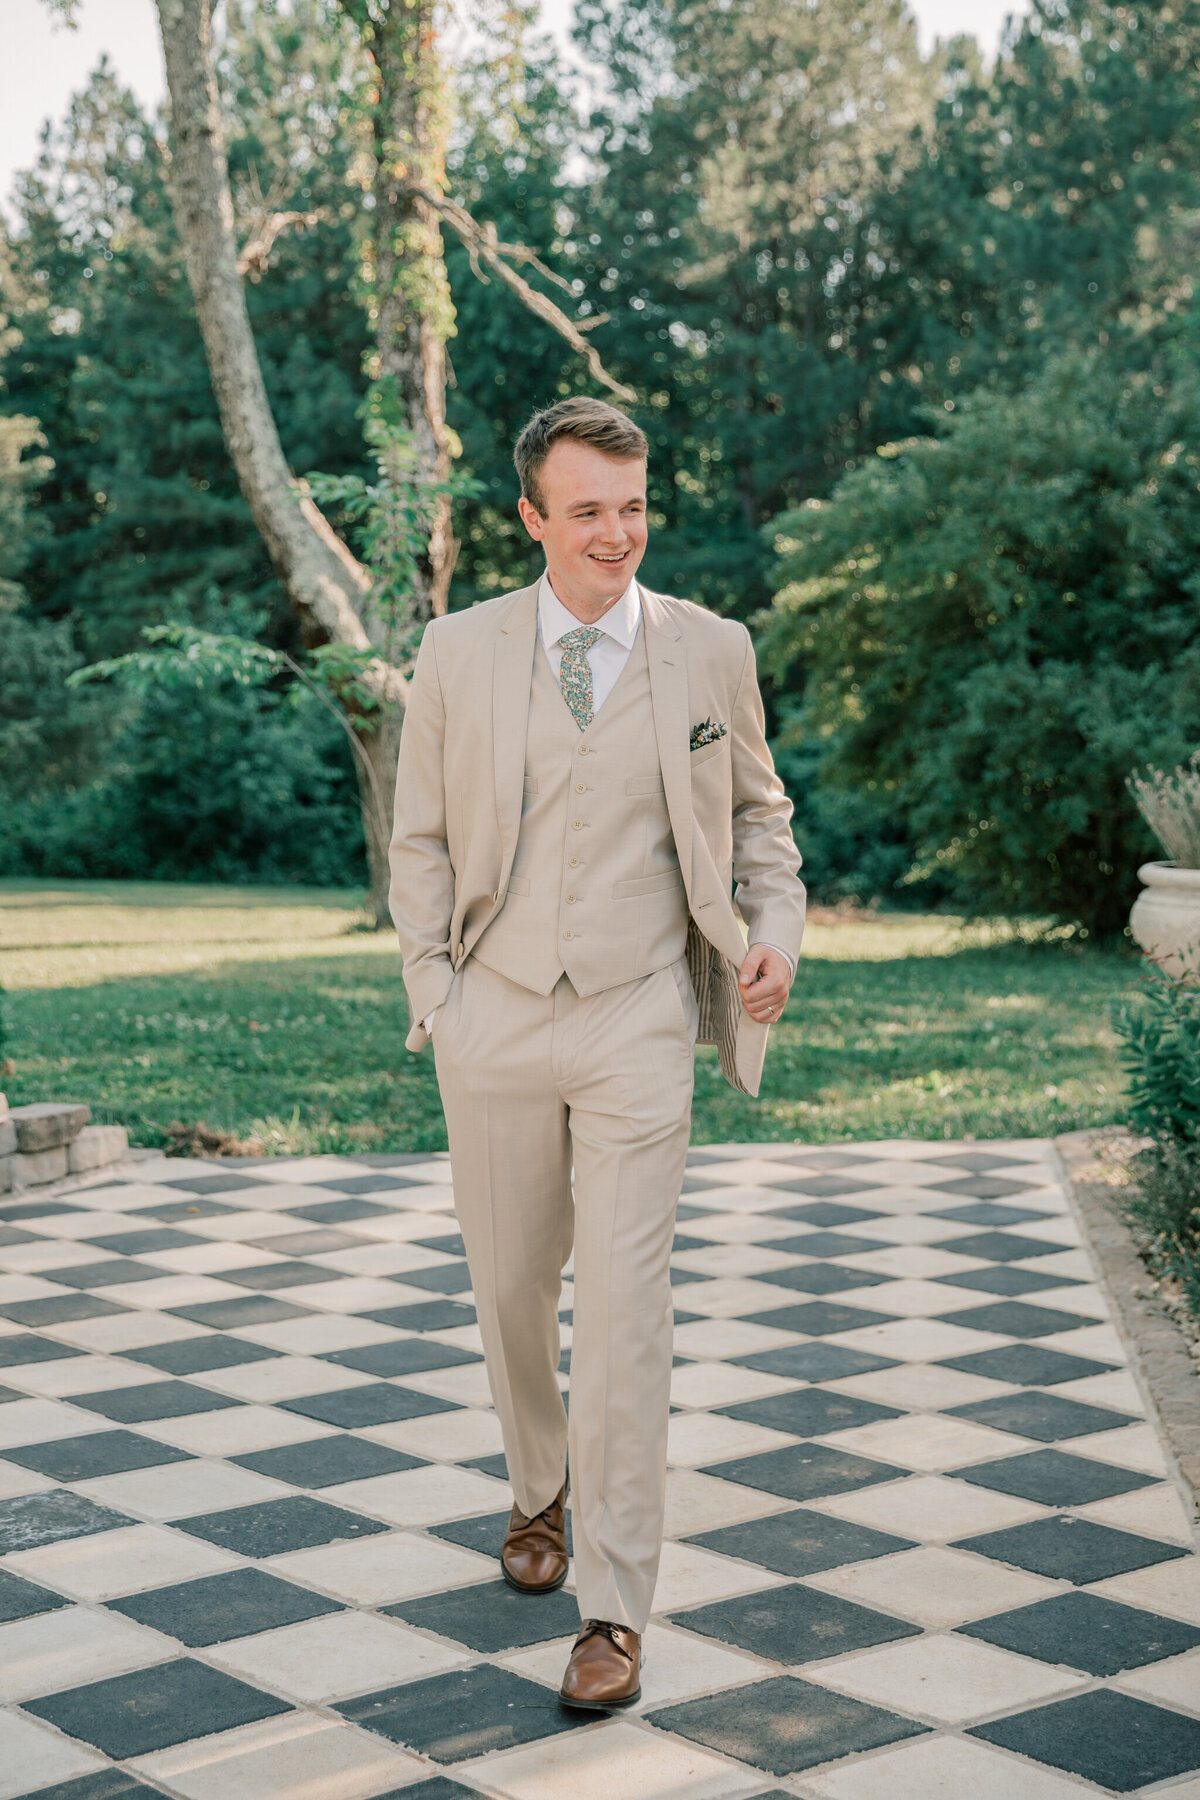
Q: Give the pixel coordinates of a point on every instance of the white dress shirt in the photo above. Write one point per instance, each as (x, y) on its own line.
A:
(607, 657)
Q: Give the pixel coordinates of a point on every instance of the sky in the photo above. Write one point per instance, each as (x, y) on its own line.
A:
(44, 63)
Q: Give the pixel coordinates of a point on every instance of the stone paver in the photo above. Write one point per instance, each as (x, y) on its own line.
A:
(922, 1539)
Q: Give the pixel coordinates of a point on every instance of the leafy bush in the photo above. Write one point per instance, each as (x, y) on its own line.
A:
(986, 629)
(1161, 1035)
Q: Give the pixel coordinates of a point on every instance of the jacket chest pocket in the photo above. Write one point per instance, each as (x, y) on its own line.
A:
(642, 785)
(709, 752)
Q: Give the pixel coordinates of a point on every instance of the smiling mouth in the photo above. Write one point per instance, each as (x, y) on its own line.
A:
(610, 561)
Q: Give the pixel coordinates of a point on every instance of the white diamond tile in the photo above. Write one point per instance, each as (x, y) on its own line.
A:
(426, 1496)
(583, 1764)
(948, 1679)
(942, 1768)
(690, 1576)
(931, 1508)
(327, 1659)
(928, 1442)
(120, 1562)
(695, 1438)
(182, 1490)
(36, 1756)
(290, 1758)
(375, 1571)
(67, 1648)
(698, 1502)
(935, 1586)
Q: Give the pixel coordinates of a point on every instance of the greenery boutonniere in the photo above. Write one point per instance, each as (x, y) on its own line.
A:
(706, 733)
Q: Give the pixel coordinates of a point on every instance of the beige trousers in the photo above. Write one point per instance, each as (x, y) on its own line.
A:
(533, 1085)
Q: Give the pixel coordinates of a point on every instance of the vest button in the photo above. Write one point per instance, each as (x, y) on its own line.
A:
(571, 899)
(576, 824)
(581, 787)
(573, 861)
(568, 934)
(583, 750)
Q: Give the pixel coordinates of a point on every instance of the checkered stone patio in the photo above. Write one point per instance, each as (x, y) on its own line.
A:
(922, 1541)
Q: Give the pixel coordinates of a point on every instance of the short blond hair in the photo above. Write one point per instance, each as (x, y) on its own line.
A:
(583, 419)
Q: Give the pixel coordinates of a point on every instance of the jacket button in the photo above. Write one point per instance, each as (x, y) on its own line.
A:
(459, 951)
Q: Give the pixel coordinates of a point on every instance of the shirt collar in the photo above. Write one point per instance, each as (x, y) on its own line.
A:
(620, 622)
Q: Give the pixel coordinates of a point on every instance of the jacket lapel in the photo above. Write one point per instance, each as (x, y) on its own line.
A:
(511, 677)
(669, 696)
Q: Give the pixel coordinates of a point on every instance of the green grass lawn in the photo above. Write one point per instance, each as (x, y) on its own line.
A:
(275, 1013)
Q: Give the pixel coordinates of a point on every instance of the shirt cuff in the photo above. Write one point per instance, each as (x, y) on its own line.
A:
(427, 1021)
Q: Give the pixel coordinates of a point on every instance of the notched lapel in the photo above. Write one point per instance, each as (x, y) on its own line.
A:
(511, 676)
(669, 697)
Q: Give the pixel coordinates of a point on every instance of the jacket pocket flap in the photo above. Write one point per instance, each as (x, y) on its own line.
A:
(647, 884)
(644, 784)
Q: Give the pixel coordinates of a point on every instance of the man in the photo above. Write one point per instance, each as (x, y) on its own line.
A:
(583, 779)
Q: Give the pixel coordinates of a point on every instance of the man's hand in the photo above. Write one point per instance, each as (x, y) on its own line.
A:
(763, 982)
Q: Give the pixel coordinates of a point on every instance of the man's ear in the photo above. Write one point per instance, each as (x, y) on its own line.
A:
(531, 518)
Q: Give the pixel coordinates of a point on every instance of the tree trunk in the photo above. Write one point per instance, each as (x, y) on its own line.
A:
(327, 588)
(414, 313)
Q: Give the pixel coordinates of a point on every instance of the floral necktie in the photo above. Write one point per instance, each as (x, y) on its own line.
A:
(575, 675)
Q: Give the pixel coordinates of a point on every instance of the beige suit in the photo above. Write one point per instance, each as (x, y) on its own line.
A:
(567, 899)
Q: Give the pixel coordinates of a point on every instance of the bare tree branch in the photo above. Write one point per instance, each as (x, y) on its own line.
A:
(483, 245)
(255, 254)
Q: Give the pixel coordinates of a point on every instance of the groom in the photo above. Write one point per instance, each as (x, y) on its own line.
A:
(585, 809)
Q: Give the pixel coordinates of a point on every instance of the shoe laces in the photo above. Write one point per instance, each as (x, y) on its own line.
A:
(606, 1628)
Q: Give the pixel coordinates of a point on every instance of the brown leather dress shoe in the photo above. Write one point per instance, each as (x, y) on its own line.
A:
(534, 1553)
(605, 1668)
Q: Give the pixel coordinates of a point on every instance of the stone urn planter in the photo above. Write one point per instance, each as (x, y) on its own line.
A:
(1165, 919)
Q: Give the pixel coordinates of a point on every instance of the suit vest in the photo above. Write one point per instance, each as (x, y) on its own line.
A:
(595, 889)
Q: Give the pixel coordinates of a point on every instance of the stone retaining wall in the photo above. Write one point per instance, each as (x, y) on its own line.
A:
(52, 1139)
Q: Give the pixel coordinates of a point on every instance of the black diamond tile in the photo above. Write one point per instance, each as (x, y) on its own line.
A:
(324, 1462)
(809, 1157)
(219, 1607)
(1075, 1550)
(810, 1412)
(153, 1400)
(151, 1709)
(1053, 1478)
(1046, 1417)
(680, 1243)
(1010, 1279)
(193, 1356)
(59, 1309)
(1104, 1736)
(1085, 1631)
(21, 1599)
(449, 1245)
(105, 1784)
(823, 1213)
(820, 1318)
(104, 1274)
(800, 1542)
(338, 1212)
(440, 1787)
(489, 1465)
(825, 1186)
(426, 1315)
(827, 1243)
(1027, 1365)
(815, 1362)
(8, 1393)
(463, 1713)
(784, 1725)
(136, 1243)
(794, 1624)
(442, 1278)
(198, 1208)
(12, 1234)
(270, 1527)
(213, 1184)
(974, 1159)
(984, 1187)
(485, 1533)
(38, 1209)
(491, 1617)
(987, 1212)
(378, 1403)
(99, 1453)
(247, 1309)
(804, 1471)
(26, 1347)
(823, 1277)
(364, 1184)
(1015, 1319)
(320, 1241)
(267, 1277)
(35, 1519)
(1002, 1246)
(401, 1356)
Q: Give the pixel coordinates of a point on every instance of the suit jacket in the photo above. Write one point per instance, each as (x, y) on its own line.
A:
(460, 781)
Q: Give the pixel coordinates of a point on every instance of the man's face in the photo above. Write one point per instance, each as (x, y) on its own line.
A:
(594, 527)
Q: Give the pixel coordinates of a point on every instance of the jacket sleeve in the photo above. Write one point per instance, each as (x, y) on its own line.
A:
(769, 894)
(421, 896)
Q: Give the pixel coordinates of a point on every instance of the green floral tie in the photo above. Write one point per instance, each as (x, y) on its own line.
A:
(575, 676)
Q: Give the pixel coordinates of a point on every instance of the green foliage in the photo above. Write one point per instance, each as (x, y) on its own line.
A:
(1160, 1031)
(992, 626)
